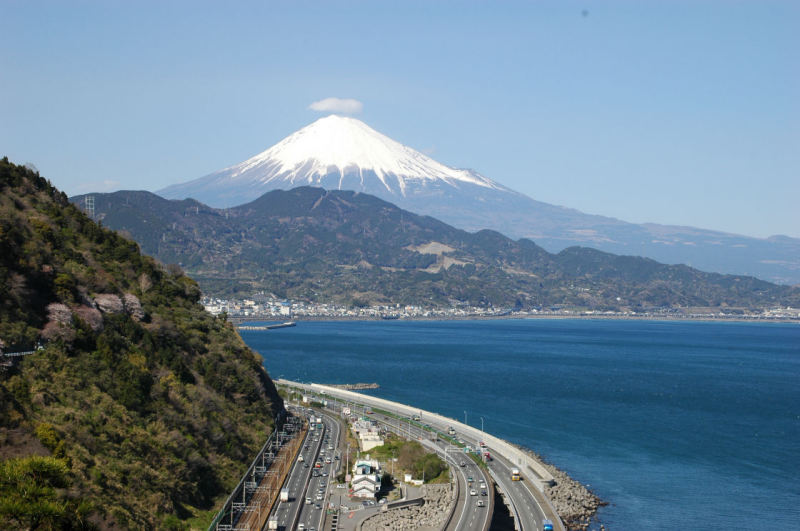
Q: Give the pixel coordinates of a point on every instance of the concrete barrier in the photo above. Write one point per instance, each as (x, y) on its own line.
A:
(541, 476)
(406, 503)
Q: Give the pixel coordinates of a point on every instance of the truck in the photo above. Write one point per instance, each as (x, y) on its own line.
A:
(515, 474)
(273, 523)
(451, 431)
(547, 525)
(284, 495)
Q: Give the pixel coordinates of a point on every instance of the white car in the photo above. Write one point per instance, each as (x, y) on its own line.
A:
(472, 492)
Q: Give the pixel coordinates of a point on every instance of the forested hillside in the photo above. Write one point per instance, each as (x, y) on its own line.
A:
(140, 410)
(346, 247)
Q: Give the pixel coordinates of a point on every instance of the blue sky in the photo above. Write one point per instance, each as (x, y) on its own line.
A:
(670, 112)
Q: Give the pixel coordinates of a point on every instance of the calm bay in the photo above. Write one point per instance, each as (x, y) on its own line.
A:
(673, 423)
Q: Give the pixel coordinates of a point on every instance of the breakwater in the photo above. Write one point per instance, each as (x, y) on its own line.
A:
(288, 324)
(355, 386)
(576, 505)
(538, 476)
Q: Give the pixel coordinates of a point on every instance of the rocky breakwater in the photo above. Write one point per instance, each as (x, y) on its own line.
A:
(575, 504)
(430, 516)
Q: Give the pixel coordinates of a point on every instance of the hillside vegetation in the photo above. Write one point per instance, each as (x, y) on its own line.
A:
(141, 410)
(345, 247)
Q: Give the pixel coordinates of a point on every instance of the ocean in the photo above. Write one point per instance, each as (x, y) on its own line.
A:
(675, 424)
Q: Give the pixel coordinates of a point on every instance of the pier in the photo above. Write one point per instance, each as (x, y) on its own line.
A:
(287, 324)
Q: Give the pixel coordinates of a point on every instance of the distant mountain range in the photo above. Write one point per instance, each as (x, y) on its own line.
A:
(354, 248)
(339, 153)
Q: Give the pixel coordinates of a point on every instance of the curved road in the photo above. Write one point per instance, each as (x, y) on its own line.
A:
(469, 516)
(529, 506)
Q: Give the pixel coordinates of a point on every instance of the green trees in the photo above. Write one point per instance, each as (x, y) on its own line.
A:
(29, 497)
(149, 407)
(411, 457)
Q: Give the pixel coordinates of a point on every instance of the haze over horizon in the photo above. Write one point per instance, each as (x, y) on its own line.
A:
(682, 113)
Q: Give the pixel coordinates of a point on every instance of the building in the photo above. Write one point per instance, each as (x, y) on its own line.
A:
(369, 440)
(366, 480)
(368, 434)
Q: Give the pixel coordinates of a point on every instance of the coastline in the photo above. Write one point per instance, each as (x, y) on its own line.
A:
(596, 469)
(666, 318)
(575, 504)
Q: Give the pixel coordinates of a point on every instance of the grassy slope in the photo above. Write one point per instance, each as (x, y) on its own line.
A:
(154, 412)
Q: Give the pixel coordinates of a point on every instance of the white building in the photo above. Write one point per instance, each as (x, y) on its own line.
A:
(369, 440)
(366, 478)
(368, 435)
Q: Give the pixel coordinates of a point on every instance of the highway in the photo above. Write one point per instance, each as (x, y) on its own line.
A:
(309, 480)
(528, 504)
(312, 487)
(469, 516)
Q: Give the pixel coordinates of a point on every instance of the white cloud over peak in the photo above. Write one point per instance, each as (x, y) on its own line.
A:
(342, 105)
(107, 185)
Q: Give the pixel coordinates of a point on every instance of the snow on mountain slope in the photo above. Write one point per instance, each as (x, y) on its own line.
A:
(345, 154)
(334, 152)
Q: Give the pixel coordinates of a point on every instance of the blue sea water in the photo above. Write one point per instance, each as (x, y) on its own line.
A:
(676, 424)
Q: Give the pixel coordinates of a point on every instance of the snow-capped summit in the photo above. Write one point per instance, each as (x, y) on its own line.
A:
(344, 153)
(335, 152)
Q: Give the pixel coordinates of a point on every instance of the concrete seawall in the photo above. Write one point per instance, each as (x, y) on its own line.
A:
(539, 475)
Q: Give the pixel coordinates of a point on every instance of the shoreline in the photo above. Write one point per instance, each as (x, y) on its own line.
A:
(667, 318)
(575, 504)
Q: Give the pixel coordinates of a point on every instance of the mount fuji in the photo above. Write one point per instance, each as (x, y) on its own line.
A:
(336, 153)
(343, 153)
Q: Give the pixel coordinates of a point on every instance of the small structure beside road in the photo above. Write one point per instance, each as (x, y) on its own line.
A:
(368, 435)
(366, 478)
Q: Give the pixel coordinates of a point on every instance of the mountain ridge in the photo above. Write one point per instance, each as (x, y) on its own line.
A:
(343, 246)
(344, 153)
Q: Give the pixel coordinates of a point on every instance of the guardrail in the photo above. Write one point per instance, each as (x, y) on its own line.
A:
(457, 489)
(512, 453)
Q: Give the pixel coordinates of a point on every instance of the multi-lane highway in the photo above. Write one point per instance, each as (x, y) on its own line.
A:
(528, 504)
(475, 500)
(310, 478)
(312, 488)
